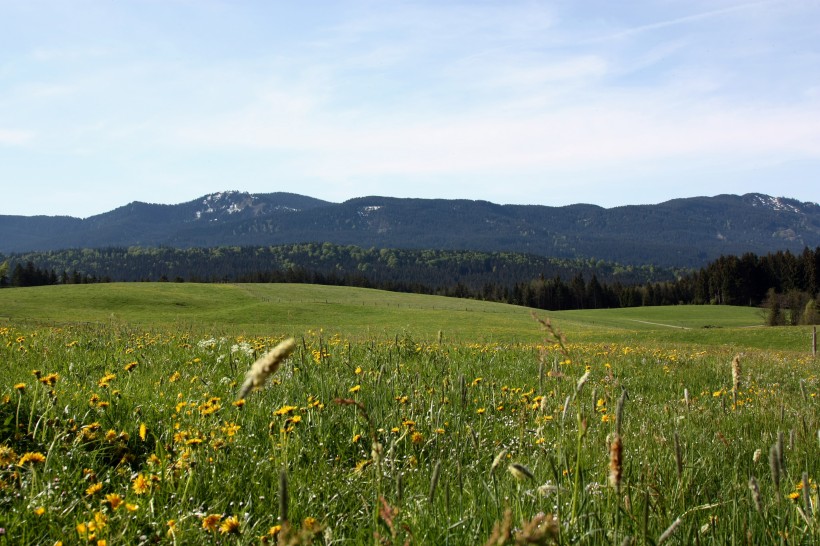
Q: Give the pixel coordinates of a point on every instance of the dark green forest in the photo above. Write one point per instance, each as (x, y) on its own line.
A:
(781, 280)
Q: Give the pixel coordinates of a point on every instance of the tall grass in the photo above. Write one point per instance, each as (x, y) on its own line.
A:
(133, 436)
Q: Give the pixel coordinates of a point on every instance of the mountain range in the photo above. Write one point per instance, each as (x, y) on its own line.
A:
(686, 232)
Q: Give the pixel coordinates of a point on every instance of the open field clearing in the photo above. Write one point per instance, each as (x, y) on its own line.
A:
(259, 309)
(128, 429)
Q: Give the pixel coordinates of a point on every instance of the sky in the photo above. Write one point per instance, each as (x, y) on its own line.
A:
(549, 102)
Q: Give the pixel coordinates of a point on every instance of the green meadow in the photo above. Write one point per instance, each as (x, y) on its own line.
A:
(398, 419)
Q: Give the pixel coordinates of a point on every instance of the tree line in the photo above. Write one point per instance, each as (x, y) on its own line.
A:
(786, 284)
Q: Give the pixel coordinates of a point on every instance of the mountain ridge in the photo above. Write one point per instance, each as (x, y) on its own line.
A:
(680, 232)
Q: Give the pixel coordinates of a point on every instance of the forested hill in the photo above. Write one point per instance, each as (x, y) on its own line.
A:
(404, 270)
(679, 233)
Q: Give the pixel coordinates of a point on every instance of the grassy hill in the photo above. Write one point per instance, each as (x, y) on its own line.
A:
(362, 313)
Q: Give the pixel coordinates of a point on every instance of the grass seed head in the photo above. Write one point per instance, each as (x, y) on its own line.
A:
(615, 463)
(520, 472)
(265, 366)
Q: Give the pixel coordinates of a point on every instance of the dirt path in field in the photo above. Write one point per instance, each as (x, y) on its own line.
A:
(659, 324)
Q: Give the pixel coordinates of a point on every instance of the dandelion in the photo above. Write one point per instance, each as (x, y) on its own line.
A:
(265, 366)
(140, 485)
(7, 455)
(143, 431)
(354, 389)
(130, 366)
(285, 410)
(39, 511)
(20, 387)
(32, 457)
(114, 500)
(93, 489)
(211, 522)
(417, 438)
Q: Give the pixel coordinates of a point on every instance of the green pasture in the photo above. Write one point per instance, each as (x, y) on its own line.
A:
(262, 309)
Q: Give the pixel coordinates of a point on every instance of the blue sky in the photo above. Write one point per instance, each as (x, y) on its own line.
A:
(537, 102)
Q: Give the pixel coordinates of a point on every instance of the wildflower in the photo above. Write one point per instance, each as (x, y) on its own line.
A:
(141, 485)
(50, 379)
(7, 455)
(230, 526)
(21, 387)
(285, 410)
(32, 457)
(239, 403)
(481, 411)
(211, 522)
(355, 389)
(131, 507)
(143, 431)
(93, 488)
(265, 366)
(114, 500)
(172, 527)
(174, 377)
(417, 438)
(39, 511)
(105, 380)
(130, 366)
(356, 438)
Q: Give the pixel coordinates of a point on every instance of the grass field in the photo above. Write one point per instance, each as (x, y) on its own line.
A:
(120, 421)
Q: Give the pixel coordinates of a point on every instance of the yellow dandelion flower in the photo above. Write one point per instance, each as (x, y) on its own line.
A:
(140, 485)
(114, 500)
(20, 387)
(93, 488)
(131, 507)
(130, 366)
(230, 526)
(417, 438)
(211, 522)
(39, 511)
(481, 411)
(354, 389)
(32, 457)
(361, 465)
(285, 410)
(356, 438)
(143, 431)
(7, 455)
